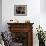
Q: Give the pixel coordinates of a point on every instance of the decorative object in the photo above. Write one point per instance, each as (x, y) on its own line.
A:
(45, 34)
(27, 21)
(13, 21)
(7, 38)
(20, 10)
(1, 40)
(41, 36)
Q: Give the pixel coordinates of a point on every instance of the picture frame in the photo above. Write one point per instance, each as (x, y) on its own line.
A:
(20, 10)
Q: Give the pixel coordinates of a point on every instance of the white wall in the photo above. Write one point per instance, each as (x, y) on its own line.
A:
(33, 10)
(34, 14)
(43, 6)
(43, 14)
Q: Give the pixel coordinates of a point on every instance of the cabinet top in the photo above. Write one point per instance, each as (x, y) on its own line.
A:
(19, 23)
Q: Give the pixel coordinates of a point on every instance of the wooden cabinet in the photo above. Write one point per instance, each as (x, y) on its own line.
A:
(22, 33)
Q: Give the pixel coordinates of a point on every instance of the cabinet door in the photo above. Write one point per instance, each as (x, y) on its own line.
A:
(20, 37)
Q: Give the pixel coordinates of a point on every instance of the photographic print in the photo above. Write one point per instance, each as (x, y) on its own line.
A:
(20, 10)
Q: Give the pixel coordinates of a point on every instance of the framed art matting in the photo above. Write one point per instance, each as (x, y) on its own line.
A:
(20, 10)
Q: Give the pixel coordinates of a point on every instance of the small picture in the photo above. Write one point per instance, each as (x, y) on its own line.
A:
(20, 10)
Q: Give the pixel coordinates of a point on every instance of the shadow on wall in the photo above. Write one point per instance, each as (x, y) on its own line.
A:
(43, 6)
(0, 15)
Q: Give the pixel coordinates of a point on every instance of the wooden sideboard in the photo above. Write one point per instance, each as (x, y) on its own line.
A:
(22, 33)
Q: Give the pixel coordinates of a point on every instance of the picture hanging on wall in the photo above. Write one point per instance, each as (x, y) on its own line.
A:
(20, 10)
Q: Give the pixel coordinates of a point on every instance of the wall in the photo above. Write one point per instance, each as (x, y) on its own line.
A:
(43, 6)
(43, 14)
(33, 11)
(0, 15)
(34, 14)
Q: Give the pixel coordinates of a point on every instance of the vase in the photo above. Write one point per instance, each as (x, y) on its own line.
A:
(41, 43)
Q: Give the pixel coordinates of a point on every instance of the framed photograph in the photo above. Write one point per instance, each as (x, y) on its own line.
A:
(20, 10)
